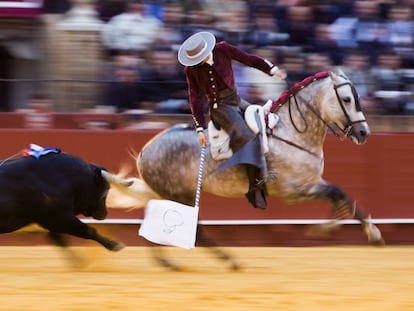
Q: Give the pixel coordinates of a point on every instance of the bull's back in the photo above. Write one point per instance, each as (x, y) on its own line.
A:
(28, 180)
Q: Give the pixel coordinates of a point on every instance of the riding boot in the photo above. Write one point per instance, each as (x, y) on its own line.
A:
(256, 194)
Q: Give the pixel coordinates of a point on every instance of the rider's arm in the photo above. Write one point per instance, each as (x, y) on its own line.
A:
(247, 59)
(196, 99)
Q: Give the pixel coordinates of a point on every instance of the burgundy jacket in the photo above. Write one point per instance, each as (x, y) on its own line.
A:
(201, 85)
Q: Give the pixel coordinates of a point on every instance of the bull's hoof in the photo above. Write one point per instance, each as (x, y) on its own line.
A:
(117, 247)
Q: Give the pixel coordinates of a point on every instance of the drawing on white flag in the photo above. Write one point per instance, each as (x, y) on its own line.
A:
(172, 219)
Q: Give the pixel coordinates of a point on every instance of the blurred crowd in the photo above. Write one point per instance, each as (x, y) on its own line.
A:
(372, 40)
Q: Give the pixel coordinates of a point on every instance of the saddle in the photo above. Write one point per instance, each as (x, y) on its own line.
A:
(254, 116)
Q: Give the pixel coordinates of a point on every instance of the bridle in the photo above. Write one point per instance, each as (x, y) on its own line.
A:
(350, 124)
(345, 131)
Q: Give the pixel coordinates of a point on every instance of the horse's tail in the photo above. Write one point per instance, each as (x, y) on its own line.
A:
(127, 193)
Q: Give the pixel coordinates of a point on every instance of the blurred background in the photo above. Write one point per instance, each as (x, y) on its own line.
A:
(118, 57)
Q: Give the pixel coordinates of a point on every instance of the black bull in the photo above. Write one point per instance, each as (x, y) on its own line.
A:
(50, 191)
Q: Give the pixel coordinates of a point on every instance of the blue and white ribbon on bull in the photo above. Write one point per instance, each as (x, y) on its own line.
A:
(38, 151)
(171, 223)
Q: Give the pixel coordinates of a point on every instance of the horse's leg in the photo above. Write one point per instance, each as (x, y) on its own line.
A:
(370, 229)
(217, 251)
(344, 207)
(159, 255)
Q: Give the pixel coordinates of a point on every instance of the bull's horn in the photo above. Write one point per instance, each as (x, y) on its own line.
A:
(112, 179)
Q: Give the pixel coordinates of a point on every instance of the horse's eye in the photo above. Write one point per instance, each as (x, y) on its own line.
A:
(347, 99)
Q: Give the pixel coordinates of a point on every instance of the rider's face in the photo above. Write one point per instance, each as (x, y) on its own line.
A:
(205, 60)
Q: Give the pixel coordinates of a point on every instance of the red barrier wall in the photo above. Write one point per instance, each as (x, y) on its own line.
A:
(379, 174)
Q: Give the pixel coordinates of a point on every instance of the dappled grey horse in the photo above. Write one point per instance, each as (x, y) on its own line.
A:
(168, 163)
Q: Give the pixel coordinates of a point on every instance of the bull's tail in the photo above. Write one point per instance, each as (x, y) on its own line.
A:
(127, 193)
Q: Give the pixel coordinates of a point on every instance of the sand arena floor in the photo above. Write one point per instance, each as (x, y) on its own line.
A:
(311, 278)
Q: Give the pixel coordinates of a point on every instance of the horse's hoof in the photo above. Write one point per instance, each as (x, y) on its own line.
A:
(234, 265)
(170, 264)
(323, 230)
(379, 242)
(373, 233)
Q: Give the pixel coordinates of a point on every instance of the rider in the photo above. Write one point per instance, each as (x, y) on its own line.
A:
(210, 77)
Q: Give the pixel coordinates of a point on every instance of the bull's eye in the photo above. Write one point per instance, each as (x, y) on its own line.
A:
(347, 99)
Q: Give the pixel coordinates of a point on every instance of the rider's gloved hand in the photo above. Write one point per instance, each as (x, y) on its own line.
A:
(272, 118)
(267, 106)
(278, 73)
(202, 138)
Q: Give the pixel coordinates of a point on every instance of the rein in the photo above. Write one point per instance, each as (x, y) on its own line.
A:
(295, 145)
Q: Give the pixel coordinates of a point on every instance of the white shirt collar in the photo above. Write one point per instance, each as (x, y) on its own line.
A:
(210, 60)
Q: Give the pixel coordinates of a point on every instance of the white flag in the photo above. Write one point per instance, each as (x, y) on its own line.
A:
(170, 223)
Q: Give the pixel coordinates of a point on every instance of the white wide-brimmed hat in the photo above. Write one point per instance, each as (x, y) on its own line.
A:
(196, 48)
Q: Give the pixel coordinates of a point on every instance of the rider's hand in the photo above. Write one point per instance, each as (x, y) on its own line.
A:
(202, 139)
(278, 73)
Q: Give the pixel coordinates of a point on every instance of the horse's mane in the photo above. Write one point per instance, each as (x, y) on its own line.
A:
(283, 98)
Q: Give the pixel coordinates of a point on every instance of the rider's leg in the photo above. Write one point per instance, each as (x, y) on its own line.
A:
(248, 146)
(256, 194)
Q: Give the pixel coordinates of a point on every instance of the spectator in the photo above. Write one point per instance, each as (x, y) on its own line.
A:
(38, 112)
(316, 62)
(198, 18)
(400, 31)
(323, 43)
(356, 65)
(365, 30)
(125, 92)
(232, 18)
(165, 82)
(294, 62)
(390, 88)
(257, 87)
(265, 30)
(171, 34)
(300, 26)
(132, 30)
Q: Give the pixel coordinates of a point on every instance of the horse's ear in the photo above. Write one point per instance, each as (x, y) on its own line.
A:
(338, 72)
(333, 77)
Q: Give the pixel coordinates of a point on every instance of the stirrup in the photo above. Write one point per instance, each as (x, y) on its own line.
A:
(259, 183)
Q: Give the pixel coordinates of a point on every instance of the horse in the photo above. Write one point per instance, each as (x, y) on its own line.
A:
(326, 101)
